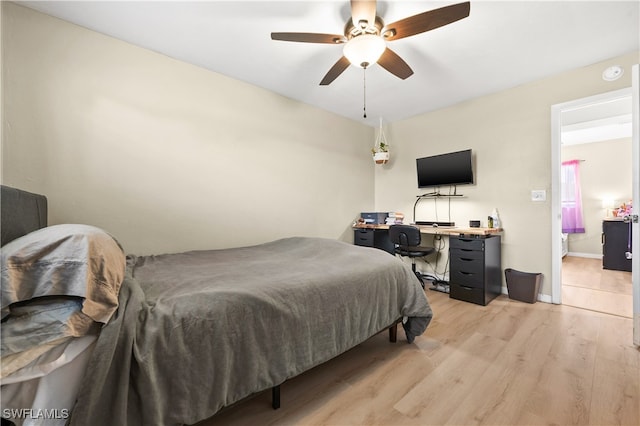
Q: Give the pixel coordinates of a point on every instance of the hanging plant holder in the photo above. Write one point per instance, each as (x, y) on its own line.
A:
(381, 157)
(380, 149)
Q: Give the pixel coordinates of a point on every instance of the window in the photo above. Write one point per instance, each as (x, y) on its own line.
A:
(572, 222)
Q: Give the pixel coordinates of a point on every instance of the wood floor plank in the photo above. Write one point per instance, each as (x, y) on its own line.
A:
(615, 398)
(498, 397)
(615, 338)
(585, 284)
(455, 377)
(563, 392)
(495, 397)
(588, 273)
(451, 326)
(372, 390)
(598, 300)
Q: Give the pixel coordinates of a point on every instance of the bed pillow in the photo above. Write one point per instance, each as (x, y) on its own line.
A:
(64, 260)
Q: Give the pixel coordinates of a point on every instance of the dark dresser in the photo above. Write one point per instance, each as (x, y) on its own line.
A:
(616, 242)
(475, 268)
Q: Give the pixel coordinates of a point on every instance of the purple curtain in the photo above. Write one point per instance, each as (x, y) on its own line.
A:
(572, 222)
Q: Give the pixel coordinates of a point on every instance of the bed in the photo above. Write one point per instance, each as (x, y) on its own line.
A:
(197, 331)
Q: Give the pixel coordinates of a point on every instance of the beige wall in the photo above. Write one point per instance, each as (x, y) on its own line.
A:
(165, 155)
(604, 173)
(510, 134)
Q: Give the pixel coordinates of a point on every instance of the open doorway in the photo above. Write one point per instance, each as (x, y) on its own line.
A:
(596, 140)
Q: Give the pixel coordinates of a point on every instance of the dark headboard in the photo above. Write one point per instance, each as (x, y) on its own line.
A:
(21, 213)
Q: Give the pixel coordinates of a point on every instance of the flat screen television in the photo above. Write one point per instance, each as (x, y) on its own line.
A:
(453, 168)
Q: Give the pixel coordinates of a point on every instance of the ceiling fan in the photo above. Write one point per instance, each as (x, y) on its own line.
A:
(365, 37)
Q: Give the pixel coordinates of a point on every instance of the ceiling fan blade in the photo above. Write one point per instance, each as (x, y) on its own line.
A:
(363, 10)
(335, 71)
(425, 21)
(310, 37)
(393, 63)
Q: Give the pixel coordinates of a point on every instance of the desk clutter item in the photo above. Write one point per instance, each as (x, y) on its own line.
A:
(375, 218)
(440, 285)
(474, 224)
(395, 218)
(381, 218)
(494, 219)
(435, 223)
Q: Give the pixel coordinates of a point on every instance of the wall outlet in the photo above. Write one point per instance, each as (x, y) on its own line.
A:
(538, 195)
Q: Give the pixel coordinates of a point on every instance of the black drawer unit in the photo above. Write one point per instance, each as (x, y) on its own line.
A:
(616, 242)
(378, 238)
(475, 273)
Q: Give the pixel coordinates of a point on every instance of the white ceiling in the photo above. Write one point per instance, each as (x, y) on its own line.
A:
(603, 121)
(501, 44)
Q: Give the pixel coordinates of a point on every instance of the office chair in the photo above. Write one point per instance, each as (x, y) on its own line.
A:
(406, 239)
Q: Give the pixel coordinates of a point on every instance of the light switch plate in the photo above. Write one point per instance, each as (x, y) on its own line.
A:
(538, 195)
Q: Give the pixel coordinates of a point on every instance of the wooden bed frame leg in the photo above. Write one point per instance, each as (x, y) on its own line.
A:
(393, 333)
(275, 397)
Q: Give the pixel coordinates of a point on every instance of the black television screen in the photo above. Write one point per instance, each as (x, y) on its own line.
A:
(453, 168)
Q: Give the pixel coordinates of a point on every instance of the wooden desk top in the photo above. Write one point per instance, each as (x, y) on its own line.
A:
(441, 230)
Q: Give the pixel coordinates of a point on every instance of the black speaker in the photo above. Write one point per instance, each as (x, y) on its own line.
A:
(474, 223)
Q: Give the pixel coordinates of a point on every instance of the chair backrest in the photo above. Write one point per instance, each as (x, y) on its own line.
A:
(404, 235)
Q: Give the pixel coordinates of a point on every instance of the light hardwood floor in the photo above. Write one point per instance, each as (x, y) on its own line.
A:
(586, 285)
(509, 363)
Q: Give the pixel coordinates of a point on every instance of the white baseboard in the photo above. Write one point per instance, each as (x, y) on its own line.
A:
(545, 298)
(588, 255)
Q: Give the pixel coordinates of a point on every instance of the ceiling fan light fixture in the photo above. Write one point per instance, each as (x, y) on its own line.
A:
(364, 50)
(365, 36)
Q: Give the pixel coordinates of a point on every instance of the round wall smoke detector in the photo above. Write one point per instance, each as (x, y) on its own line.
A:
(612, 73)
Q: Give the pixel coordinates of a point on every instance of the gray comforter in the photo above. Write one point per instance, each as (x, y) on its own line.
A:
(201, 330)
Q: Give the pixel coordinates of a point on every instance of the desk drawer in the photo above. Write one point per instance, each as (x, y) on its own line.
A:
(467, 294)
(363, 237)
(469, 279)
(467, 267)
(466, 243)
(466, 260)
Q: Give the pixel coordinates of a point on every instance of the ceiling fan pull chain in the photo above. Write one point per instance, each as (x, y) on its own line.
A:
(364, 91)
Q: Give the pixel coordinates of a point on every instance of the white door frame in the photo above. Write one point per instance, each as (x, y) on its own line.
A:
(635, 228)
(556, 162)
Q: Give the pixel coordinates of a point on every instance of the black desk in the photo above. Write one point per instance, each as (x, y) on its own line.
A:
(373, 237)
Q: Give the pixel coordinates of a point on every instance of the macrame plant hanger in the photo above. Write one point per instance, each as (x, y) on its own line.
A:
(381, 147)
